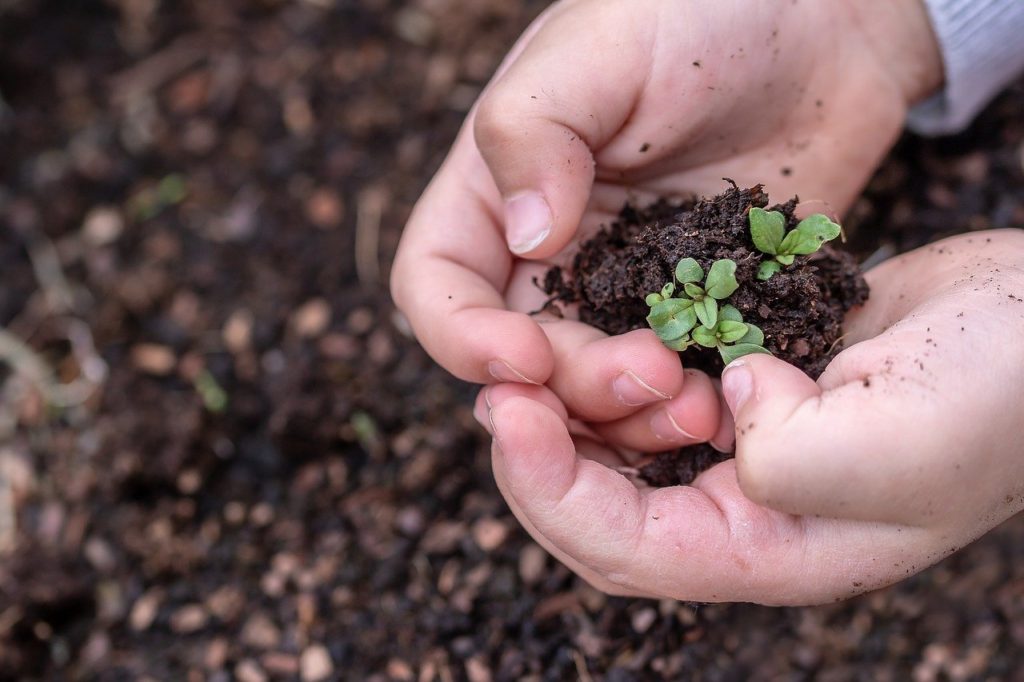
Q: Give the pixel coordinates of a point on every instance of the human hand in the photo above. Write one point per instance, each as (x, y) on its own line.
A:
(906, 449)
(602, 100)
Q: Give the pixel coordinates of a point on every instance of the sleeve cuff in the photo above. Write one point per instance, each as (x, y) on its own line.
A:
(982, 51)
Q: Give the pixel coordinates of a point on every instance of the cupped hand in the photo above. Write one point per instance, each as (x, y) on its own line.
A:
(907, 448)
(604, 100)
(918, 422)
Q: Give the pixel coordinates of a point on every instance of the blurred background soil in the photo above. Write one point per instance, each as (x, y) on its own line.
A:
(222, 456)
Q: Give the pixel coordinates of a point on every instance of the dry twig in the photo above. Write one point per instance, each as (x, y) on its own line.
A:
(369, 210)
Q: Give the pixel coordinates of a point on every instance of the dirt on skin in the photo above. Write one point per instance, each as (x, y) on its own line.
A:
(800, 309)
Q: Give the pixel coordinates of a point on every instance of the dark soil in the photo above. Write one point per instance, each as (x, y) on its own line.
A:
(680, 467)
(800, 309)
(341, 507)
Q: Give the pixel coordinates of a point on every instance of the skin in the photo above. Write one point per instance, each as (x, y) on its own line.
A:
(656, 97)
(906, 449)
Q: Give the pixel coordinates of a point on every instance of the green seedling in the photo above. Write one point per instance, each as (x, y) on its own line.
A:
(676, 316)
(733, 337)
(768, 230)
(696, 318)
(215, 399)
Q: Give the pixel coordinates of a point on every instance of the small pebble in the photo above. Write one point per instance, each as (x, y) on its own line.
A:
(477, 670)
(249, 670)
(102, 226)
(237, 332)
(312, 318)
(399, 670)
(144, 610)
(259, 632)
(189, 618)
(532, 562)
(324, 208)
(280, 664)
(315, 664)
(489, 533)
(153, 358)
(643, 619)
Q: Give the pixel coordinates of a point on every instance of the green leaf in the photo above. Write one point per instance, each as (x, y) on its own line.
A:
(730, 353)
(721, 282)
(730, 332)
(705, 337)
(675, 325)
(785, 259)
(754, 335)
(680, 344)
(668, 290)
(767, 269)
(688, 270)
(820, 226)
(666, 309)
(653, 299)
(809, 235)
(766, 229)
(729, 312)
(707, 312)
(693, 290)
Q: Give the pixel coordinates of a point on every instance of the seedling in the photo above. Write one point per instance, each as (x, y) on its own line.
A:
(767, 228)
(733, 337)
(675, 320)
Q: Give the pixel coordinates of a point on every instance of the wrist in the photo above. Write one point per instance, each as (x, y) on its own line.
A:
(900, 34)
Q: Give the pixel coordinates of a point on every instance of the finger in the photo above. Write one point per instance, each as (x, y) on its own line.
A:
(600, 378)
(537, 124)
(708, 543)
(495, 394)
(452, 265)
(691, 417)
(860, 449)
(450, 288)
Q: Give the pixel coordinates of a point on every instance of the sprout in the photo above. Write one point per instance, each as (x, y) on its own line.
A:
(767, 229)
(675, 320)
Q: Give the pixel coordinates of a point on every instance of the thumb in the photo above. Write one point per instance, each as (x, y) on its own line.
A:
(844, 450)
(763, 394)
(537, 125)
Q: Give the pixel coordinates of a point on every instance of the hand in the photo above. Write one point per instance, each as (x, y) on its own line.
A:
(602, 100)
(917, 423)
(906, 449)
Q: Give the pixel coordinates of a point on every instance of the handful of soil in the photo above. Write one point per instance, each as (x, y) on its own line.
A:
(800, 309)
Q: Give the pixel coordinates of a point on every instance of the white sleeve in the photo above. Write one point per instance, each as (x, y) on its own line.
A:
(982, 44)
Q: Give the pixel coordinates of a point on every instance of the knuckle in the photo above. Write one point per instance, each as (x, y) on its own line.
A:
(495, 123)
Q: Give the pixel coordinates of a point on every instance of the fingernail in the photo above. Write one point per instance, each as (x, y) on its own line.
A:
(502, 371)
(527, 221)
(666, 428)
(737, 385)
(482, 413)
(631, 390)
